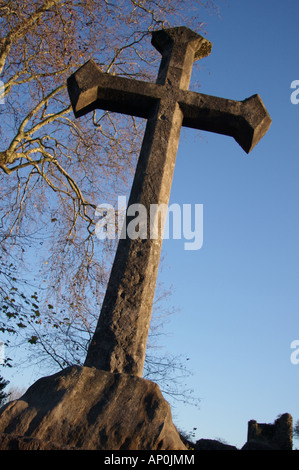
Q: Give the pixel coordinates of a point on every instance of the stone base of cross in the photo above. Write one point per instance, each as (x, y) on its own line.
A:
(119, 341)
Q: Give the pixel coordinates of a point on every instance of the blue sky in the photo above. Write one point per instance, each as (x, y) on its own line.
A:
(238, 294)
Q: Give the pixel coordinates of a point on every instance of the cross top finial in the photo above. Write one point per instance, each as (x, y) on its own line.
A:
(179, 48)
(162, 39)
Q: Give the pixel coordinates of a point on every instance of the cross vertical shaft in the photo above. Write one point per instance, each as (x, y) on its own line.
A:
(126, 311)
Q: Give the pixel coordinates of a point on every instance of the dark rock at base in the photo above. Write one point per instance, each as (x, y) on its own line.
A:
(13, 442)
(257, 445)
(86, 408)
(211, 444)
(277, 435)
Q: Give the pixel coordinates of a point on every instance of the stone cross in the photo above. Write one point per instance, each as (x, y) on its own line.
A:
(120, 338)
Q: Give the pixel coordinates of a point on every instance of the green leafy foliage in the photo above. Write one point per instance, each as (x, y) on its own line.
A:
(3, 395)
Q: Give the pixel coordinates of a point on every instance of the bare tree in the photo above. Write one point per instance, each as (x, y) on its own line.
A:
(56, 170)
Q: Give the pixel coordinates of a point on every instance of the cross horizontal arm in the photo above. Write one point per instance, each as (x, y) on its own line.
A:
(247, 121)
(90, 88)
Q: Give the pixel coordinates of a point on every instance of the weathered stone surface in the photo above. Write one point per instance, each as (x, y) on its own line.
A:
(85, 408)
(257, 445)
(14, 442)
(212, 444)
(277, 435)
